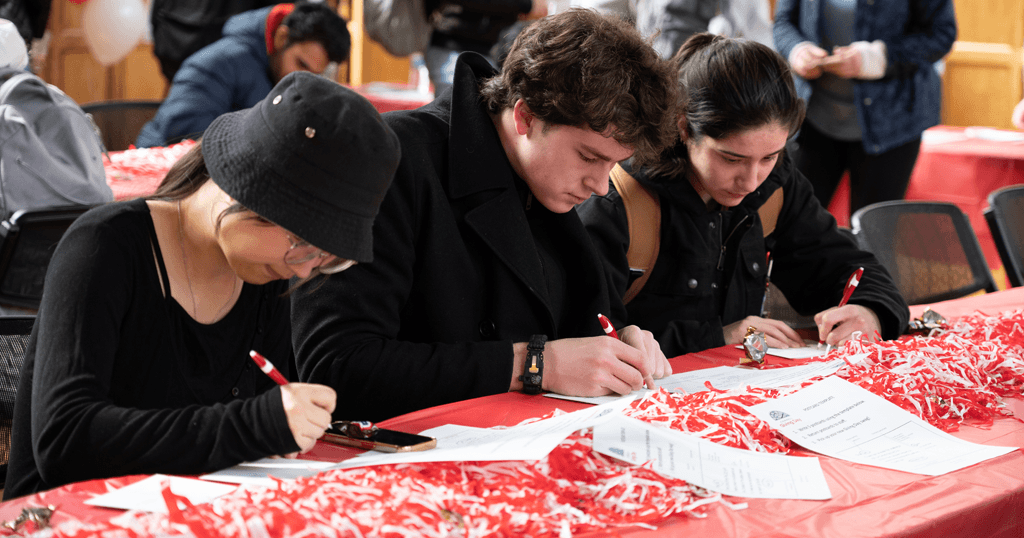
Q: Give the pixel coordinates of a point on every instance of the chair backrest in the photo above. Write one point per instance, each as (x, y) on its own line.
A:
(929, 248)
(14, 333)
(29, 238)
(1005, 216)
(120, 121)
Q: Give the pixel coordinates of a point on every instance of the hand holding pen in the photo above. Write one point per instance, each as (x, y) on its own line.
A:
(839, 323)
(307, 406)
(644, 341)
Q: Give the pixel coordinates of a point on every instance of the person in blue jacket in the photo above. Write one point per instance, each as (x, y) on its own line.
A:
(258, 49)
(867, 72)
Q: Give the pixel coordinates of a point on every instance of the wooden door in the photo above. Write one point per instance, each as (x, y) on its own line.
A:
(70, 66)
(982, 82)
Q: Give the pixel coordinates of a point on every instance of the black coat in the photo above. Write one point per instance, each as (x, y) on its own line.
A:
(688, 298)
(455, 277)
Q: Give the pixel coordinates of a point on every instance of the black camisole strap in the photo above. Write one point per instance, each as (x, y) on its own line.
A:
(155, 244)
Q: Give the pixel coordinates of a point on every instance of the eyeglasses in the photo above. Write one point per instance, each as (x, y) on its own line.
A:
(301, 252)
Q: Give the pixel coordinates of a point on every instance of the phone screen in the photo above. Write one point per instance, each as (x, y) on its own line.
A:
(397, 438)
(383, 440)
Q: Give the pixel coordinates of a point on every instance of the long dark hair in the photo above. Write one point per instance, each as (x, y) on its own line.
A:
(727, 86)
(186, 176)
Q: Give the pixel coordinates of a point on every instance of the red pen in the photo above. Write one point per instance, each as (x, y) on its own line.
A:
(607, 326)
(851, 284)
(268, 368)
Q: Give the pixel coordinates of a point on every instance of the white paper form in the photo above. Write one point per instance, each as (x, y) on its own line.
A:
(809, 351)
(526, 442)
(261, 471)
(839, 419)
(729, 377)
(145, 494)
(727, 470)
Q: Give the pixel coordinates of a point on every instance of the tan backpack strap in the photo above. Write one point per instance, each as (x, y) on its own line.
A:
(643, 216)
(769, 212)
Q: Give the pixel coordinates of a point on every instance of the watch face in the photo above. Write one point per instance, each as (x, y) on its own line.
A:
(756, 346)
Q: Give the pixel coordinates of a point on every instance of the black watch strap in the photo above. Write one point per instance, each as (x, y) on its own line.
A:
(533, 370)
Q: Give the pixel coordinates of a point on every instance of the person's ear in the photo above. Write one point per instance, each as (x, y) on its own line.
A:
(280, 38)
(523, 117)
(681, 125)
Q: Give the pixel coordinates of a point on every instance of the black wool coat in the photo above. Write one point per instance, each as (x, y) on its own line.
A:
(456, 277)
(697, 287)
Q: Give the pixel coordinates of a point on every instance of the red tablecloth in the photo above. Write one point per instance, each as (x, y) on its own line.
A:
(387, 96)
(986, 499)
(958, 168)
(138, 172)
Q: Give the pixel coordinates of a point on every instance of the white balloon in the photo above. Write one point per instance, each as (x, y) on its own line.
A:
(113, 27)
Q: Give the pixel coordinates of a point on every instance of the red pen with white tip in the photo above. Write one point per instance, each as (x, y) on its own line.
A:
(851, 284)
(606, 324)
(268, 368)
(609, 329)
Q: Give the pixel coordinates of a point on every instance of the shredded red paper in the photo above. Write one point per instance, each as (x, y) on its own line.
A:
(138, 171)
(952, 375)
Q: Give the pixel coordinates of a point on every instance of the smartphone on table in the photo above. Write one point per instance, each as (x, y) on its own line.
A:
(366, 435)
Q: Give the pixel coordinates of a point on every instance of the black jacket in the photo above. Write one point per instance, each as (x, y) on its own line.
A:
(697, 287)
(455, 277)
(473, 25)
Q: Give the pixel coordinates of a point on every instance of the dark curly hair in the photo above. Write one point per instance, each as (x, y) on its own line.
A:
(311, 21)
(580, 68)
(727, 86)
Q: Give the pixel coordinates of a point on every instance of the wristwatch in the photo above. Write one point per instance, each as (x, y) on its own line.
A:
(533, 370)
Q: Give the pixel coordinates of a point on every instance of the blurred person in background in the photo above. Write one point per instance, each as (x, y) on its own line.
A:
(257, 50)
(867, 72)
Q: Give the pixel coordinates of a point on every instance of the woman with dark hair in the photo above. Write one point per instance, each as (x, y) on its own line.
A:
(139, 358)
(728, 196)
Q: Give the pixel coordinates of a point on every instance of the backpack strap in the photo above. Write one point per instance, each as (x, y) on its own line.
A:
(769, 212)
(8, 86)
(643, 217)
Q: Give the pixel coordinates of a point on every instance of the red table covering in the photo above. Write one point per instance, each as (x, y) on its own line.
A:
(986, 499)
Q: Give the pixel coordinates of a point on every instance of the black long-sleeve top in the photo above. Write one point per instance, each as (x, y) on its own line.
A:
(119, 379)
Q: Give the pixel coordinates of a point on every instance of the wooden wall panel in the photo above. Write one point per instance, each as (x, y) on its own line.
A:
(990, 21)
(982, 81)
(142, 76)
(982, 84)
(71, 67)
(369, 61)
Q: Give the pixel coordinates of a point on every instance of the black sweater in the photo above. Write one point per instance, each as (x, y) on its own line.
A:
(120, 380)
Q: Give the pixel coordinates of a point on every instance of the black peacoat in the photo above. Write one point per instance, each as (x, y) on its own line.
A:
(456, 277)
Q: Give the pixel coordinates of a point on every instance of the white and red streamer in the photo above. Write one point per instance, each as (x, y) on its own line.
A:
(953, 375)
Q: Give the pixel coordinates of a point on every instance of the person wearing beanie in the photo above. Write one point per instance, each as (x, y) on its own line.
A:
(139, 358)
(484, 279)
(257, 49)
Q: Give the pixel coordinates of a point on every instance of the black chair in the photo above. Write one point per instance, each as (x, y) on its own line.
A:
(929, 248)
(14, 333)
(119, 122)
(1005, 216)
(29, 238)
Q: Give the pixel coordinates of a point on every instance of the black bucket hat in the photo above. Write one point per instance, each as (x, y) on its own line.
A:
(314, 157)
